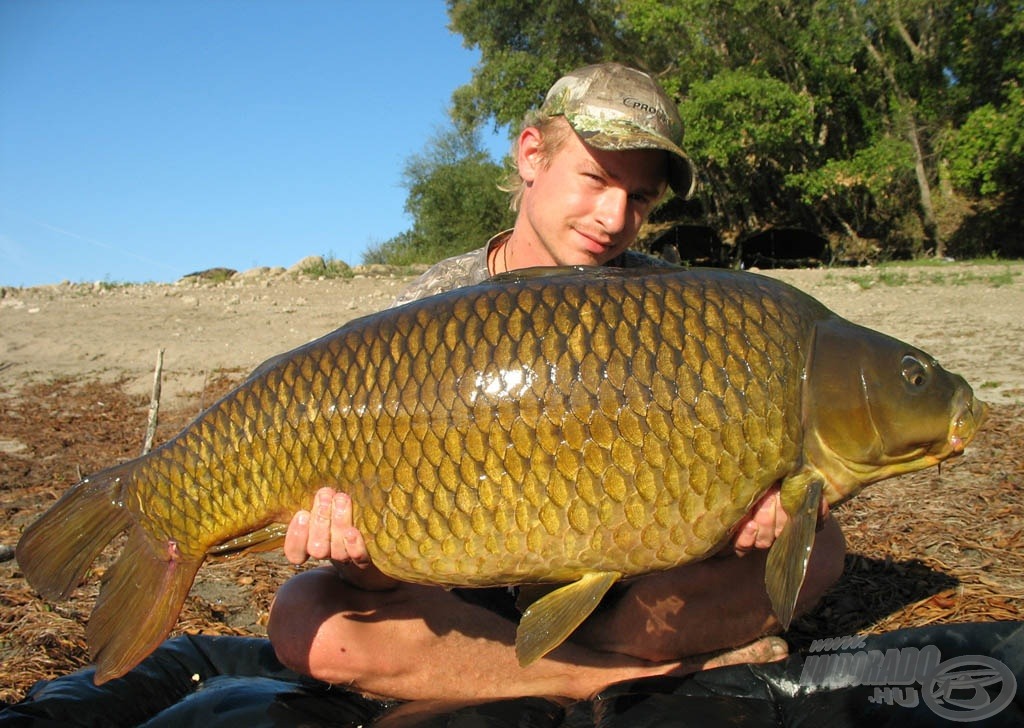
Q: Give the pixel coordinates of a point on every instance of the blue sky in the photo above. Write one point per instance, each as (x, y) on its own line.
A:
(144, 140)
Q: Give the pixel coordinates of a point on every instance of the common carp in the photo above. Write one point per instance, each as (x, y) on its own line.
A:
(552, 426)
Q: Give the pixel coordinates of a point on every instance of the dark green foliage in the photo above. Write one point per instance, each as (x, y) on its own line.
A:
(886, 124)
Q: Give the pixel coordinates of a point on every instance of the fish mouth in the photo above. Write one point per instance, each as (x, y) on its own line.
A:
(968, 416)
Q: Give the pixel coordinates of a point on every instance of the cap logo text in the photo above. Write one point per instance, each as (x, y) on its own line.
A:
(643, 106)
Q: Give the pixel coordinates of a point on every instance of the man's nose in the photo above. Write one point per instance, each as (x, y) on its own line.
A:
(612, 209)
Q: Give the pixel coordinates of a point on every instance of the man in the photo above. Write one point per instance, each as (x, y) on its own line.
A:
(591, 164)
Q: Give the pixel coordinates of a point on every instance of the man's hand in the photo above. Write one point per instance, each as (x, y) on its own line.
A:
(326, 532)
(765, 521)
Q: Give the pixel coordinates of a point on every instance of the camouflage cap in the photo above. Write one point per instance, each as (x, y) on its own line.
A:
(614, 107)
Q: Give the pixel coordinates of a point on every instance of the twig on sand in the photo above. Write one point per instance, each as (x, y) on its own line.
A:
(154, 403)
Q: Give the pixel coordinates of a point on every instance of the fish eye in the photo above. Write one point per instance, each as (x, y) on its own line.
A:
(915, 373)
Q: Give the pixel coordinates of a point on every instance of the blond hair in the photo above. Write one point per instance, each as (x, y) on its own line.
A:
(554, 130)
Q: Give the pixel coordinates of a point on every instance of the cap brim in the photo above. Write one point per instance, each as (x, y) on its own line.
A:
(682, 176)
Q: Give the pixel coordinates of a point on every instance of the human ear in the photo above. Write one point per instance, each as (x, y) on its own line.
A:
(530, 157)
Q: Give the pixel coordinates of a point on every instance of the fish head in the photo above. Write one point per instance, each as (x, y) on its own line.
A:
(875, 407)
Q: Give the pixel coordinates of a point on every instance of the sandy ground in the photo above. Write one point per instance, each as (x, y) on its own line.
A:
(110, 333)
(76, 371)
(969, 317)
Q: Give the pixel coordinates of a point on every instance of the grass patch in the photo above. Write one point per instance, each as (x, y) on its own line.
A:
(327, 267)
(218, 275)
(109, 285)
(938, 273)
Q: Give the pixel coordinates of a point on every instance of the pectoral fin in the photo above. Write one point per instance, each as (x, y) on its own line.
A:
(552, 618)
(788, 556)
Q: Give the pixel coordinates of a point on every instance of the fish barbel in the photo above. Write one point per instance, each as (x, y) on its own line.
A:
(573, 426)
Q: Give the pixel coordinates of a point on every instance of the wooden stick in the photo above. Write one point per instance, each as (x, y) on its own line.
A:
(154, 403)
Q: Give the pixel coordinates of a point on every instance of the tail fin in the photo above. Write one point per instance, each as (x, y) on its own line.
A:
(142, 592)
(55, 551)
(138, 605)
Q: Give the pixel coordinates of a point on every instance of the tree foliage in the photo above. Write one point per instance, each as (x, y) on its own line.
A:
(453, 199)
(986, 154)
(880, 119)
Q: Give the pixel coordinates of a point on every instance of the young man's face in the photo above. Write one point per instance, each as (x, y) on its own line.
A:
(584, 206)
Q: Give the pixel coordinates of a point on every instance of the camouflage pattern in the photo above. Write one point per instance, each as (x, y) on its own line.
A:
(471, 268)
(454, 272)
(616, 108)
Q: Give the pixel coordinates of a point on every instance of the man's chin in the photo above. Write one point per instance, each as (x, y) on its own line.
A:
(589, 257)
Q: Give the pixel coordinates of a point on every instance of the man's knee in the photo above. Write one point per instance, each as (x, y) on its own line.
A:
(298, 617)
(325, 628)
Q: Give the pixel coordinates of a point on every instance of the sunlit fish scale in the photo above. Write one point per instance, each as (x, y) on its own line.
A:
(553, 426)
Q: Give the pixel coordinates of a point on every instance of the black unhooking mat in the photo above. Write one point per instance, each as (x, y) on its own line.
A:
(966, 674)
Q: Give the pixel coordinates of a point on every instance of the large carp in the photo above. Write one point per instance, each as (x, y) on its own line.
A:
(570, 426)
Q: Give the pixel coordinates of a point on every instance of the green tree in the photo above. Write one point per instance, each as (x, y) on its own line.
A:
(986, 154)
(524, 48)
(453, 199)
(749, 130)
(842, 116)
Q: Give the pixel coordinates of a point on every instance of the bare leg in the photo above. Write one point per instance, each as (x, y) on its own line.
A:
(416, 642)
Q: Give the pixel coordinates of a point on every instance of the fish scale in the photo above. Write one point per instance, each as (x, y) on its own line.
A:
(578, 447)
(553, 426)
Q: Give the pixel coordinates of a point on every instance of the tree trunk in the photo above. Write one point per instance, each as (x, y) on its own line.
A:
(931, 227)
(907, 107)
